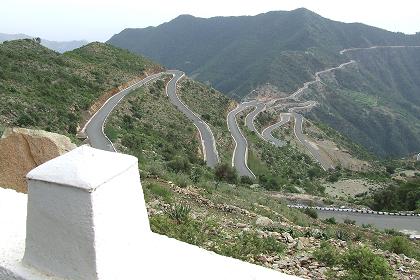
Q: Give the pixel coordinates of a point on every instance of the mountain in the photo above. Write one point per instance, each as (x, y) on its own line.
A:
(40, 88)
(237, 55)
(212, 208)
(58, 46)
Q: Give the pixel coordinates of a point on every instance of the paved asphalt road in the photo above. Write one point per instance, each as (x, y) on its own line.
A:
(249, 120)
(240, 154)
(267, 132)
(302, 139)
(207, 139)
(98, 139)
(407, 223)
(94, 128)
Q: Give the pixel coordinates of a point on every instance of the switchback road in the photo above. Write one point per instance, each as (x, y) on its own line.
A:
(94, 128)
(240, 153)
(207, 139)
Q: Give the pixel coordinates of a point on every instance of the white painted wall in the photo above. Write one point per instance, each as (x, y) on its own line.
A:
(87, 220)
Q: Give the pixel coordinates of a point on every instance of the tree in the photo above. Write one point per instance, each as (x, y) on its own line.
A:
(37, 40)
(225, 172)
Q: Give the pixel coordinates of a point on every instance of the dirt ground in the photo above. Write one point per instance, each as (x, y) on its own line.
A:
(349, 188)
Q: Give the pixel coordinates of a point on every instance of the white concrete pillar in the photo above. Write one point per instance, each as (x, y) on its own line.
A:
(86, 214)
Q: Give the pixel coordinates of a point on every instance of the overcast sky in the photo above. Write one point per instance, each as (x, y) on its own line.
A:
(96, 20)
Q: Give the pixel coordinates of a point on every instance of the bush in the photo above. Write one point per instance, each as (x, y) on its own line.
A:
(182, 180)
(311, 213)
(327, 254)
(225, 172)
(179, 164)
(361, 263)
(250, 244)
(342, 235)
(348, 221)
(246, 180)
(398, 245)
(330, 221)
(333, 177)
(161, 191)
(155, 169)
(190, 231)
(179, 213)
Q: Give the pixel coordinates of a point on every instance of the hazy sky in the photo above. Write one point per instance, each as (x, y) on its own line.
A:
(96, 20)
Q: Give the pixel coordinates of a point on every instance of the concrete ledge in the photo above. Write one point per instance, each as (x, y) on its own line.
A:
(98, 231)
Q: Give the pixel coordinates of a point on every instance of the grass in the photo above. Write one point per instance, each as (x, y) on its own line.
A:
(46, 90)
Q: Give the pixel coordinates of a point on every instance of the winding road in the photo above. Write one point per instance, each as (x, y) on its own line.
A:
(240, 152)
(267, 132)
(208, 143)
(241, 149)
(94, 128)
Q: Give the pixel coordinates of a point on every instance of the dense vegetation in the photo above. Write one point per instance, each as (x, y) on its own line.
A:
(404, 196)
(40, 88)
(238, 54)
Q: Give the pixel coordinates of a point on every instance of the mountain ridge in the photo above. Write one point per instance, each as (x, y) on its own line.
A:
(285, 49)
(59, 46)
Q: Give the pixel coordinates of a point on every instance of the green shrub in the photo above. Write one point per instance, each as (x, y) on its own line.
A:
(182, 180)
(246, 180)
(327, 254)
(190, 231)
(330, 221)
(311, 213)
(225, 172)
(399, 245)
(348, 221)
(392, 231)
(367, 225)
(361, 263)
(155, 169)
(342, 234)
(179, 213)
(161, 191)
(250, 244)
(333, 177)
(179, 164)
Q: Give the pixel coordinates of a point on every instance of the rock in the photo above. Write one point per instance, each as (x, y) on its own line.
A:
(264, 222)
(299, 245)
(241, 225)
(287, 237)
(304, 260)
(22, 149)
(254, 186)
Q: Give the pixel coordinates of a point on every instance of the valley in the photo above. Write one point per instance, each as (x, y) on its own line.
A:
(285, 139)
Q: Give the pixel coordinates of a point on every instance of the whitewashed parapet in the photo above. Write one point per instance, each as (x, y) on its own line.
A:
(87, 219)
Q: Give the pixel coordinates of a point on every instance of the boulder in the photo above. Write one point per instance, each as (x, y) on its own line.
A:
(23, 149)
(264, 222)
(254, 186)
(287, 237)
